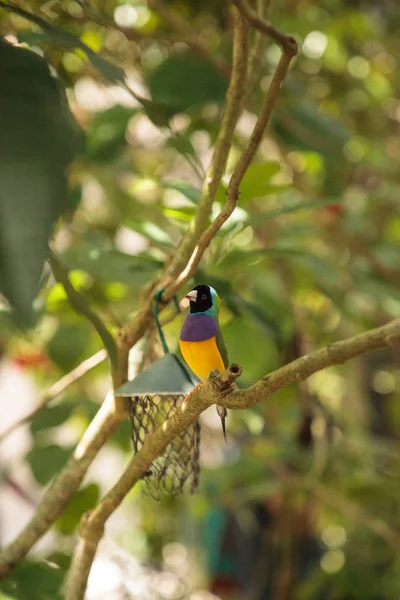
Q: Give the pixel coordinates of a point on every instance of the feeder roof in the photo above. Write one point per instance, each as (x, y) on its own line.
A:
(168, 376)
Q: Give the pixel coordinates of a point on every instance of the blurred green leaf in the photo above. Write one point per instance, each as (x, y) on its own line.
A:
(83, 500)
(257, 180)
(182, 144)
(152, 232)
(302, 126)
(40, 139)
(106, 134)
(188, 190)
(185, 81)
(51, 416)
(68, 345)
(33, 581)
(296, 207)
(109, 264)
(158, 113)
(47, 461)
(65, 39)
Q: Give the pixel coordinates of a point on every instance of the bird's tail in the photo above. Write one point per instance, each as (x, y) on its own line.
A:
(223, 413)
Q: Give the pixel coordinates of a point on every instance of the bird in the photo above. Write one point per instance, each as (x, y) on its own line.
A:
(201, 341)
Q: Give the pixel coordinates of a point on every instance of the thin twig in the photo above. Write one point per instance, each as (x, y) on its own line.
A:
(287, 42)
(56, 389)
(257, 52)
(301, 368)
(186, 33)
(221, 150)
(82, 307)
(245, 159)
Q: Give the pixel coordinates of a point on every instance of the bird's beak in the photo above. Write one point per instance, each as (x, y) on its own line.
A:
(192, 296)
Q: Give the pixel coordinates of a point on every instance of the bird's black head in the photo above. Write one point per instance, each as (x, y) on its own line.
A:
(201, 299)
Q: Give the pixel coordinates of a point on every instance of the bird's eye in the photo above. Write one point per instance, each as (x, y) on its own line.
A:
(204, 297)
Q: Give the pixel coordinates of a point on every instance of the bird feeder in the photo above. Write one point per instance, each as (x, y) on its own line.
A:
(155, 395)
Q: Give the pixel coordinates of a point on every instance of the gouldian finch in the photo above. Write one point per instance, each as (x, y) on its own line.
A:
(201, 341)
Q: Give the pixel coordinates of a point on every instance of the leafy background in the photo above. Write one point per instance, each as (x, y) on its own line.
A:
(303, 502)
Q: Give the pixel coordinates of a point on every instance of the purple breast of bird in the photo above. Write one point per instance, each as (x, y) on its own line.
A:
(198, 328)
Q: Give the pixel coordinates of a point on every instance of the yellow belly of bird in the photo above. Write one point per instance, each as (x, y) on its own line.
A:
(202, 357)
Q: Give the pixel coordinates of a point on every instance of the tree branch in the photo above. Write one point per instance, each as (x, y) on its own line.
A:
(82, 307)
(221, 150)
(112, 411)
(92, 523)
(286, 42)
(56, 389)
(257, 52)
(232, 192)
(300, 369)
(64, 485)
(217, 390)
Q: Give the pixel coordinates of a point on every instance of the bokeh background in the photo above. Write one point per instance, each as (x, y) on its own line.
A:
(303, 502)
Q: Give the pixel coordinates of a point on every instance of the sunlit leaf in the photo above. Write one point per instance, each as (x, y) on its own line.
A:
(257, 180)
(109, 264)
(152, 232)
(190, 192)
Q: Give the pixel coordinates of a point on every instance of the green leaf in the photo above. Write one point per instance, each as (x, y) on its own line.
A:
(302, 126)
(65, 39)
(107, 132)
(260, 317)
(40, 139)
(33, 581)
(46, 461)
(68, 345)
(109, 264)
(188, 190)
(158, 113)
(184, 81)
(109, 71)
(239, 257)
(297, 207)
(257, 180)
(182, 144)
(82, 501)
(51, 416)
(152, 232)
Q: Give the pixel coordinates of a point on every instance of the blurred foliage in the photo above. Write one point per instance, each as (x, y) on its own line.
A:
(303, 502)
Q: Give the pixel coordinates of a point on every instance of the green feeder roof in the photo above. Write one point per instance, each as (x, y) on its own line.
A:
(167, 376)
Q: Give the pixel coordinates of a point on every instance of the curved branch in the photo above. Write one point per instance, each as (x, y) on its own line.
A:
(56, 389)
(222, 147)
(232, 192)
(302, 368)
(287, 42)
(217, 390)
(92, 523)
(59, 492)
(82, 307)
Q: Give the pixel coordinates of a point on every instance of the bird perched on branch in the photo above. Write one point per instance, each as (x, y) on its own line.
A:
(201, 341)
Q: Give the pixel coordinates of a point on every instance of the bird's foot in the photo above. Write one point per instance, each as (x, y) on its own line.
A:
(193, 390)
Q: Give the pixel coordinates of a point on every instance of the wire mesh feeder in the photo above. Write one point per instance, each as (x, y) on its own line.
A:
(155, 394)
(179, 465)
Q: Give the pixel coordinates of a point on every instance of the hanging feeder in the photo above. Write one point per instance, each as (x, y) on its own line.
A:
(155, 395)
